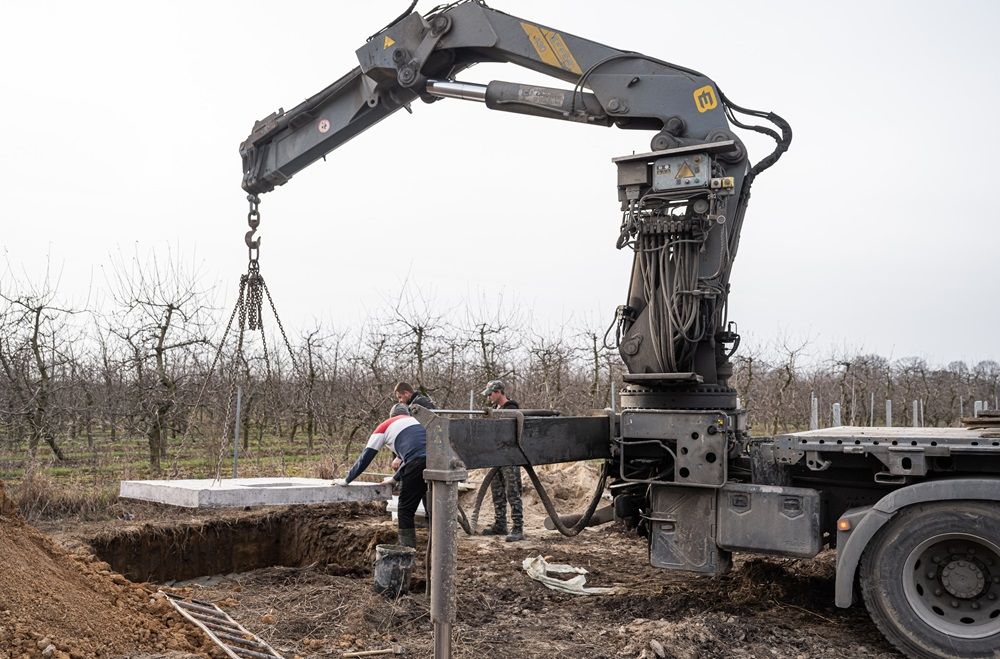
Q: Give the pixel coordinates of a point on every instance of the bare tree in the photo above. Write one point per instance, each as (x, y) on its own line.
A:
(418, 338)
(312, 345)
(493, 335)
(986, 376)
(600, 358)
(165, 314)
(787, 375)
(748, 366)
(33, 345)
(550, 357)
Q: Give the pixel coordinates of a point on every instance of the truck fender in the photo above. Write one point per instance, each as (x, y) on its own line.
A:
(866, 521)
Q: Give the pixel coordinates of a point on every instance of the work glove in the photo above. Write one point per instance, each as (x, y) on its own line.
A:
(340, 481)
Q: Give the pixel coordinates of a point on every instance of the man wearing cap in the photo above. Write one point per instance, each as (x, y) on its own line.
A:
(506, 485)
(408, 440)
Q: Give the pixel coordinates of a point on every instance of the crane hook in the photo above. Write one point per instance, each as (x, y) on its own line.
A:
(253, 219)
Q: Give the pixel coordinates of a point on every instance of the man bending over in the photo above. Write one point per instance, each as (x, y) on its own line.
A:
(408, 441)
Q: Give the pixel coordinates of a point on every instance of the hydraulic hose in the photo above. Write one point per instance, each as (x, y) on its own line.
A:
(550, 509)
(474, 523)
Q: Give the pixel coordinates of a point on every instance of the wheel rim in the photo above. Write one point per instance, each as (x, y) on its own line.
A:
(952, 582)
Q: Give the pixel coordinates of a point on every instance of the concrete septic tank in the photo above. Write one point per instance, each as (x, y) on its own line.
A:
(242, 492)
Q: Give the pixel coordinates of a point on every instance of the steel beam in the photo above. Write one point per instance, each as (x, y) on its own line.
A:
(503, 438)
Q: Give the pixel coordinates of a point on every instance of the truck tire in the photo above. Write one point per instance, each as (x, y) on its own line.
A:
(931, 579)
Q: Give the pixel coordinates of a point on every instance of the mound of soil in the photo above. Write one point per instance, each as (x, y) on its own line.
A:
(570, 487)
(62, 605)
(573, 482)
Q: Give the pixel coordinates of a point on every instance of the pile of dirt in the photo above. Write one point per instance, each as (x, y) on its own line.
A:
(62, 605)
(569, 486)
(572, 482)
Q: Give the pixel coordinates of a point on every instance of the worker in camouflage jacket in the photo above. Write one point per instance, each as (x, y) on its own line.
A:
(506, 485)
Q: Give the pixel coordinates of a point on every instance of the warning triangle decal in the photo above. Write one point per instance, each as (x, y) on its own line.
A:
(388, 42)
(685, 171)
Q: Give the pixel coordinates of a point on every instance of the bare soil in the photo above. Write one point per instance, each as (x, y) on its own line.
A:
(61, 604)
(301, 579)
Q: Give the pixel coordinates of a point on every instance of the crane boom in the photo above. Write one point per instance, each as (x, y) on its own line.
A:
(683, 200)
(633, 90)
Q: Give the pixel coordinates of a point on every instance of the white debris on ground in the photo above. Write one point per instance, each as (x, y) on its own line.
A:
(538, 569)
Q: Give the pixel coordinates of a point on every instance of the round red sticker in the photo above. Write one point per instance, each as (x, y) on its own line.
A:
(324, 125)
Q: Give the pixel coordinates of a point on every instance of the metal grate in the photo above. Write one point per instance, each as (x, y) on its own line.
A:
(223, 630)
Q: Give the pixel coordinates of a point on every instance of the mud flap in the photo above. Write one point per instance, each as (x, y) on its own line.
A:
(683, 530)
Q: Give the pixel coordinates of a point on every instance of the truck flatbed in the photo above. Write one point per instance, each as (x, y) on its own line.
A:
(904, 451)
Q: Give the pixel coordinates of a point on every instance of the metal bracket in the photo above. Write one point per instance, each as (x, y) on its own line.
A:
(699, 443)
(904, 461)
(787, 456)
(722, 146)
(816, 462)
(408, 73)
(445, 475)
(441, 457)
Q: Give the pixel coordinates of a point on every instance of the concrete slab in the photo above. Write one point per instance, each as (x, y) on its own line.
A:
(419, 517)
(242, 492)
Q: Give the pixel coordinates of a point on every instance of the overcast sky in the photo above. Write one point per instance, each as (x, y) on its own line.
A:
(121, 124)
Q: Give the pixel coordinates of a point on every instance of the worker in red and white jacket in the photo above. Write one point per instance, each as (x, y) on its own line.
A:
(408, 440)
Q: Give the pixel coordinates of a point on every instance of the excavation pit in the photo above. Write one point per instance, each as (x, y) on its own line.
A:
(341, 539)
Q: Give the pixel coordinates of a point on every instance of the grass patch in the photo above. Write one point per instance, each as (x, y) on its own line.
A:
(39, 496)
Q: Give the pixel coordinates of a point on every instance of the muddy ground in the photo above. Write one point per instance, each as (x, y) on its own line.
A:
(301, 578)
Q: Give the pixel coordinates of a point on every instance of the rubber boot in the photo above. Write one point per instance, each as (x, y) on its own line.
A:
(498, 528)
(516, 534)
(408, 537)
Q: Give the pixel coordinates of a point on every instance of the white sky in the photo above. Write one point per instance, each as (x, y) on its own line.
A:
(122, 121)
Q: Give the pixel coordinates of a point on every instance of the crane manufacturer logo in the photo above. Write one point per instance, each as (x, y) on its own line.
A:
(705, 99)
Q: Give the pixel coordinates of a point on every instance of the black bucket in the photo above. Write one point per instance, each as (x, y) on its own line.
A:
(393, 565)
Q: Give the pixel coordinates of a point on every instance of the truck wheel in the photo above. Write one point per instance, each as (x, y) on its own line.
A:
(931, 579)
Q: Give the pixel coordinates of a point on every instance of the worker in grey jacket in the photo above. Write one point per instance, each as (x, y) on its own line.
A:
(407, 396)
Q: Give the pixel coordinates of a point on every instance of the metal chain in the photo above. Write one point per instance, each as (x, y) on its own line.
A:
(241, 309)
(249, 314)
(253, 219)
(249, 308)
(281, 327)
(255, 282)
(208, 376)
(255, 298)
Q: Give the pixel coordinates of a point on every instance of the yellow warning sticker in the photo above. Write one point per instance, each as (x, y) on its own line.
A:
(388, 42)
(566, 59)
(551, 48)
(685, 171)
(705, 99)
